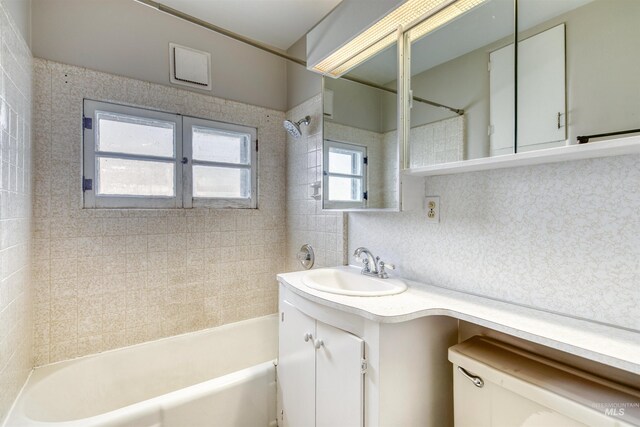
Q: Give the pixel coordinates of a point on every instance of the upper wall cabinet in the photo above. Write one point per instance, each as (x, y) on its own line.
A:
(477, 94)
(361, 164)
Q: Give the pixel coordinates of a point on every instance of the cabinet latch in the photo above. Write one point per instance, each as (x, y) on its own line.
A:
(363, 366)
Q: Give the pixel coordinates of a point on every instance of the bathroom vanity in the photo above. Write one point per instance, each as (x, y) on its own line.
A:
(340, 369)
(382, 361)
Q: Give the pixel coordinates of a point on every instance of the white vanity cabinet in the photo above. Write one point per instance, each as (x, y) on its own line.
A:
(338, 369)
(320, 372)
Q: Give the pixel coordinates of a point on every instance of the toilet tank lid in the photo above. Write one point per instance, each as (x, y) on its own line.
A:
(506, 365)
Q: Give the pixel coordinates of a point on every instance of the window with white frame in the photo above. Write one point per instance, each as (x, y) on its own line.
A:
(344, 175)
(137, 158)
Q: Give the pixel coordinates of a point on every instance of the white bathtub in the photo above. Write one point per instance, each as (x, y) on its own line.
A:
(222, 376)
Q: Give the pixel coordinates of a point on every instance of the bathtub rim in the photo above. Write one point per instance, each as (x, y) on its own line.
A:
(174, 397)
(157, 340)
(18, 402)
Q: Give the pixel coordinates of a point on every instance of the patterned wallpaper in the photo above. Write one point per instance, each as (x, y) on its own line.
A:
(563, 237)
(110, 278)
(16, 353)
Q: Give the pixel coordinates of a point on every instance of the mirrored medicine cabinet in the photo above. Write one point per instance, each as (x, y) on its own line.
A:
(361, 165)
(470, 94)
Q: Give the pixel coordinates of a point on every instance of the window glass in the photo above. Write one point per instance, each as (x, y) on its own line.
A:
(135, 177)
(215, 145)
(120, 133)
(221, 182)
(345, 189)
(344, 161)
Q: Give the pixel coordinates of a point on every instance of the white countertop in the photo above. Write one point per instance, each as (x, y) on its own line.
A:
(612, 346)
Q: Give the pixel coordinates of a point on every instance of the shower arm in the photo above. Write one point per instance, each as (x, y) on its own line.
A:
(254, 43)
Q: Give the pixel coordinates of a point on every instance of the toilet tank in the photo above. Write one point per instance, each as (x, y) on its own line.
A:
(498, 385)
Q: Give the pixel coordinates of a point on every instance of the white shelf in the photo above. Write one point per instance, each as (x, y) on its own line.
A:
(591, 150)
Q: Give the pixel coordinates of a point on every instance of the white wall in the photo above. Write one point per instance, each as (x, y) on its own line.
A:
(129, 39)
(20, 12)
(16, 193)
(301, 83)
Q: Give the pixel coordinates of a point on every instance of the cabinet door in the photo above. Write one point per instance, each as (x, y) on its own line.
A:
(501, 100)
(296, 368)
(541, 93)
(339, 378)
(541, 88)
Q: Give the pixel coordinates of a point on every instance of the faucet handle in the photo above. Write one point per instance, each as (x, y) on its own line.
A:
(384, 265)
(387, 265)
(382, 269)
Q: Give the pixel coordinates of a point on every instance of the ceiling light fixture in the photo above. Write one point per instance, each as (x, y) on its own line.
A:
(439, 19)
(384, 33)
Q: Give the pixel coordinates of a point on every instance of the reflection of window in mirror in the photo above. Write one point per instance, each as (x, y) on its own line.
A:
(345, 175)
(360, 110)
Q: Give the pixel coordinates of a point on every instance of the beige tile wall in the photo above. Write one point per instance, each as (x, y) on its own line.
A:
(306, 222)
(110, 278)
(16, 355)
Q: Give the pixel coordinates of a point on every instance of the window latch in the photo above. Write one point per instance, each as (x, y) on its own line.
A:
(184, 161)
(87, 184)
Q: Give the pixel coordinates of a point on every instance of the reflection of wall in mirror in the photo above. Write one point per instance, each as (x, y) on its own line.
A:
(354, 105)
(463, 83)
(444, 142)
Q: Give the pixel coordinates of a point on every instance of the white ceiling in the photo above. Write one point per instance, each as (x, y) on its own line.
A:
(279, 23)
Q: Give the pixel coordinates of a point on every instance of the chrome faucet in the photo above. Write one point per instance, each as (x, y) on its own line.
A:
(373, 266)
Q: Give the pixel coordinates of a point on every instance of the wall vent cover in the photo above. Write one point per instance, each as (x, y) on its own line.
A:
(189, 67)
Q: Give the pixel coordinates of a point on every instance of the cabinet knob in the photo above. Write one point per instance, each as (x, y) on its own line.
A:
(307, 337)
(318, 343)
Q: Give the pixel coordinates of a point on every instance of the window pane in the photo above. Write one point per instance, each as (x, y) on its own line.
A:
(214, 145)
(344, 161)
(209, 181)
(345, 189)
(119, 133)
(135, 178)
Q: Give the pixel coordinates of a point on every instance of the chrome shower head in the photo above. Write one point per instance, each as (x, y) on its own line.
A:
(294, 128)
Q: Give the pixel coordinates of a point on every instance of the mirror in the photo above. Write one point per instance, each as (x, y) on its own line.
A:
(463, 104)
(360, 144)
(576, 77)
(578, 70)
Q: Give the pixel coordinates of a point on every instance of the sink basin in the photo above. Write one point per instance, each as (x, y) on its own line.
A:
(346, 282)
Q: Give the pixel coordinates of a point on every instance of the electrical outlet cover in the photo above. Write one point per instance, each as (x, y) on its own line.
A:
(432, 209)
